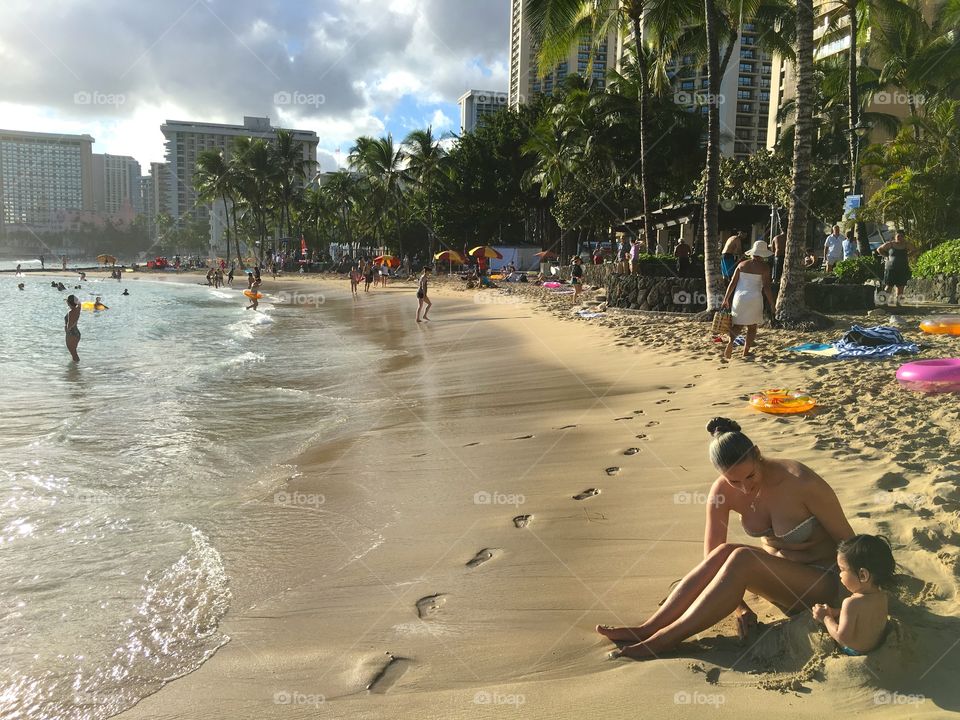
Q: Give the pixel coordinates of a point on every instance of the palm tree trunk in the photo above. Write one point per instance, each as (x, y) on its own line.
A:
(226, 219)
(636, 16)
(853, 98)
(711, 195)
(236, 234)
(791, 309)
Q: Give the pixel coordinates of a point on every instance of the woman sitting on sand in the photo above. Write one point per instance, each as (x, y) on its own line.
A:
(789, 507)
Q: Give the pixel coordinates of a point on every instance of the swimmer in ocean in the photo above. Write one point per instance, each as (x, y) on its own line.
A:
(70, 326)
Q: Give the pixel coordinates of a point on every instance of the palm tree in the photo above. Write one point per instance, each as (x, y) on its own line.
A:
(343, 196)
(791, 309)
(382, 161)
(425, 162)
(711, 195)
(212, 182)
(551, 146)
(292, 169)
(257, 178)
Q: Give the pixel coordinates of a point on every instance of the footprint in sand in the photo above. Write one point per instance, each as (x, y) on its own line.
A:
(628, 417)
(641, 436)
(675, 410)
(720, 403)
(588, 493)
(653, 423)
(483, 556)
(388, 675)
(523, 437)
(471, 444)
(430, 605)
(638, 412)
(671, 392)
(420, 455)
(566, 427)
(521, 521)
(631, 451)
(612, 470)
(661, 402)
(691, 385)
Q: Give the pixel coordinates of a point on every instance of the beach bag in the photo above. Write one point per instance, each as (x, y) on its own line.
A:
(722, 322)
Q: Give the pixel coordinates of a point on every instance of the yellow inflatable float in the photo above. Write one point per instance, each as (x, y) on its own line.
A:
(942, 325)
(93, 306)
(250, 294)
(782, 402)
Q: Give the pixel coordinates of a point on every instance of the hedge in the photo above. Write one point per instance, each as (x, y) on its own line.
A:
(944, 259)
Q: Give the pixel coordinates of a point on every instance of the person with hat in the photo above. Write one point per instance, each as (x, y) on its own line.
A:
(748, 287)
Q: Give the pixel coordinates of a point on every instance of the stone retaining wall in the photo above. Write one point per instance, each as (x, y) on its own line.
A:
(939, 289)
(640, 292)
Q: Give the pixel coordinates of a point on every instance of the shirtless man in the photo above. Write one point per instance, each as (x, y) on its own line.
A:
(779, 255)
(732, 250)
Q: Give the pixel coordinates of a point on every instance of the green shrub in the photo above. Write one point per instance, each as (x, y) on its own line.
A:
(944, 259)
(858, 270)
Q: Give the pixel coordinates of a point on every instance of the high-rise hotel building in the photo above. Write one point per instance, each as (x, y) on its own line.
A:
(584, 58)
(116, 183)
(42, 175)
(475, 105)
(185, 140)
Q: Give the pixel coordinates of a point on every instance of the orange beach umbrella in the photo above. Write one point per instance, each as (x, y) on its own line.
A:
(545, 254)
(451, 256)
(389, 260)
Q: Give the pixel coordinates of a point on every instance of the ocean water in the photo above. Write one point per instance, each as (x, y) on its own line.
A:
(127, 482)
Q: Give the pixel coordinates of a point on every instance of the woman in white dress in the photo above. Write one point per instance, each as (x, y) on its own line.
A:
(748, 287)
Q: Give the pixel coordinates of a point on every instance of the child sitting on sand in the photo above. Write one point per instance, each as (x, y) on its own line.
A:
(866, 567)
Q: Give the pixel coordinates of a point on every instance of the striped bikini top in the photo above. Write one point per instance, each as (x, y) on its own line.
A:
(801, 533)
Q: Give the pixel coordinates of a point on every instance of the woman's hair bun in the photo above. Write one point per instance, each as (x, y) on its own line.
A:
(720, 425)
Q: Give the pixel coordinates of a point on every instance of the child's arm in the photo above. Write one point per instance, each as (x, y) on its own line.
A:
(843, 628)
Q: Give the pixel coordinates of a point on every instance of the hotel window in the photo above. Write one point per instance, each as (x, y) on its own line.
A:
(745, 81)
(686, 85)
(744, 95)
(745, 107)
(746, 67)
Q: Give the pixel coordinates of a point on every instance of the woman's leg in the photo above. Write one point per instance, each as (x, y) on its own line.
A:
(427, 311)
(728, 351)
(680, 598)
(751, 336)
(72, 343)
(783, 582)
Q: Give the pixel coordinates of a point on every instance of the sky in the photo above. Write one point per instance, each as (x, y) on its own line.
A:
(117, 69)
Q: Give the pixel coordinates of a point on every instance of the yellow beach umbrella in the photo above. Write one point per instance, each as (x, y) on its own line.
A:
(451, 256)
(485, 251)
(106, 259)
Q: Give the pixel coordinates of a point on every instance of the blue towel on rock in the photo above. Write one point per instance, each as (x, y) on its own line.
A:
(873, 343)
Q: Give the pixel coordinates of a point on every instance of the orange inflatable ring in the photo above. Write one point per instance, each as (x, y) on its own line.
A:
(942, 325)
(782, 402)
(251, 294)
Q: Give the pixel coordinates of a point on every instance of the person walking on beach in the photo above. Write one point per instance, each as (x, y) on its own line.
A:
(833, 248)
(70, 326)
(355, 278)
(230, 276)
(367, 275)
(18, 273)
(682, 253)
(779, 255)
(42, 264)
(896, 271)
(254, 290)
(748, 287)
(800, 522)
(576, 278)
(422, 297)
(850, 249)
(732, 250)
(635, 256)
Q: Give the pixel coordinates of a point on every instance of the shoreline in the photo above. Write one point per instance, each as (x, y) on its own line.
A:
(519, 624)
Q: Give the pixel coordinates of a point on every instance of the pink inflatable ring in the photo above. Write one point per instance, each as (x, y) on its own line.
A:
(931, 376)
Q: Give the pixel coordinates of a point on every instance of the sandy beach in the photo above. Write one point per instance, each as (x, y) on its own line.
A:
(544, 475)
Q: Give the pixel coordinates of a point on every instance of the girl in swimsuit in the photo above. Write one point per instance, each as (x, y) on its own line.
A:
(800, 522)
(70, 326)
(422, 298)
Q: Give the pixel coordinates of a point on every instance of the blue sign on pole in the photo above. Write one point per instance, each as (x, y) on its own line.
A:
(851, 203)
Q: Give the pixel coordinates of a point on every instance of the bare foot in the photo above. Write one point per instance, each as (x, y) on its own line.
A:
(623, 634)
(641, 651)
